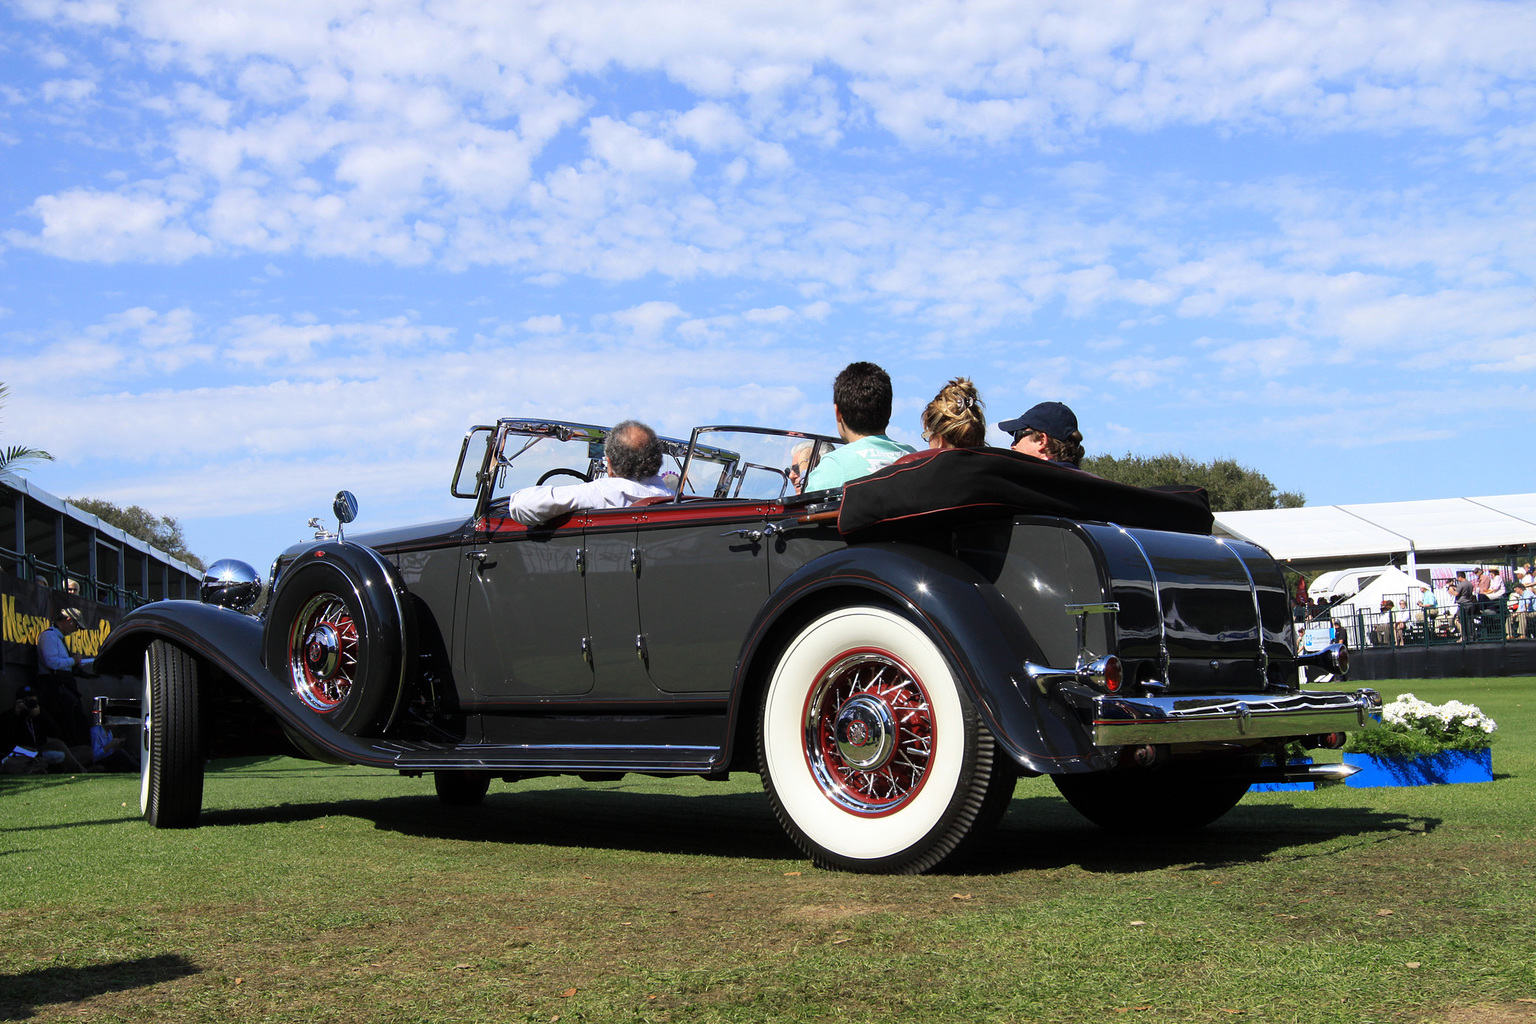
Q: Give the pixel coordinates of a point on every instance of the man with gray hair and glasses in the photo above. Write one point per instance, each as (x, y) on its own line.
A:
(633, 453)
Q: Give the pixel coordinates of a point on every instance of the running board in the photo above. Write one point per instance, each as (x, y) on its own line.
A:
(595, 758)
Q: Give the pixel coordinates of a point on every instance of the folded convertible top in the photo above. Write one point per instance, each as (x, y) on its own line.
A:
(954, 485)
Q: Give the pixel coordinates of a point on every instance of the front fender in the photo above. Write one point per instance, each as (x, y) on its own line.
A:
(232, 642)
(975, 628)
(229, 639)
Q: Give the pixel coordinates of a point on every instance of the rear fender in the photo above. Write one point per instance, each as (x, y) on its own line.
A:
(980, 635)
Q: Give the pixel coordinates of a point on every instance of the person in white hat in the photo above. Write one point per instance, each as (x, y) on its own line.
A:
(56, 676)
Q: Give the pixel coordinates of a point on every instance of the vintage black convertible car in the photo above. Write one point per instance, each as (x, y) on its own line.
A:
(890, 657)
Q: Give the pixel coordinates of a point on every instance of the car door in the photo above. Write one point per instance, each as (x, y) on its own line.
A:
(525, 616)
(613, 613)
(703, 576)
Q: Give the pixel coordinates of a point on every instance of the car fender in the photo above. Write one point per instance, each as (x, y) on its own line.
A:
(980, 635)
(231, 642)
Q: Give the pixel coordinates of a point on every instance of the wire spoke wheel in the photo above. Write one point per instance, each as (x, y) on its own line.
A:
(323, 652)
(869, 734)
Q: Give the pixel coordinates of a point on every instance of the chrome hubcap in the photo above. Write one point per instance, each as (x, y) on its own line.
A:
(866, 732)
(322, 651)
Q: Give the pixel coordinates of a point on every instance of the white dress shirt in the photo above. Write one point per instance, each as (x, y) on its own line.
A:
(534, 505)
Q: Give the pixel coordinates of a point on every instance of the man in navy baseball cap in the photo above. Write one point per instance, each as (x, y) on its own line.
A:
(1047, 431)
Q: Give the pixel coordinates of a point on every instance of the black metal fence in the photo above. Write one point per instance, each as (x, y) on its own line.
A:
(1484, 622)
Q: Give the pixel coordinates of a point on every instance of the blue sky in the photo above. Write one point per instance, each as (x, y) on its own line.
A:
(251, 253)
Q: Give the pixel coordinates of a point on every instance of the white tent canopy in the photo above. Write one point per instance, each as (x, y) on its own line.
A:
(1372, 532)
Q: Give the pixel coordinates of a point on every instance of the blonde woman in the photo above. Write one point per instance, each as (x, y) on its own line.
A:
(956, 417)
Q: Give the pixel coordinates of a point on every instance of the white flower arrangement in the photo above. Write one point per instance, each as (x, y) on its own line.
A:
(1452, 716)
(1410, 726)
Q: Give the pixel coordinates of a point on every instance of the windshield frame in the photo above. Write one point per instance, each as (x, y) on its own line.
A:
(821, 444)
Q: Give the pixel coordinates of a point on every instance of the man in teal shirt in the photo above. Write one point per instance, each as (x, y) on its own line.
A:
(861, 400)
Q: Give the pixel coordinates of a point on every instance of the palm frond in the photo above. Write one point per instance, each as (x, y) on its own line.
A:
(15, 456)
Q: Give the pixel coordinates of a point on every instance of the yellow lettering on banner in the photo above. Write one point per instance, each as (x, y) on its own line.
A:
(20, 629)
(87, 642)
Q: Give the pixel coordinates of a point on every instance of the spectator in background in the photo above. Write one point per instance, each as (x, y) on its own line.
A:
(109, 750)
(1466, 603)
(1427, 606)
(1524, 603)
(1526, 577)
(29, 738)
(1493, 593)
(1399, 617)
(861, 402)
(56, 677)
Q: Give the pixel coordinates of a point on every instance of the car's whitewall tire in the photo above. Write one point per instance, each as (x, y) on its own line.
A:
(873, 755)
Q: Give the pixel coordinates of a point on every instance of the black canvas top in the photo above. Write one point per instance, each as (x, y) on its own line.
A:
(953, 485)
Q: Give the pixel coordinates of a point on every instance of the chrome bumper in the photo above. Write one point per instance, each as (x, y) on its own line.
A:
(1121, 721)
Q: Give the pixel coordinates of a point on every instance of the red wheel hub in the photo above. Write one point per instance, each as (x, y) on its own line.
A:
(869, 735)
(323, 652)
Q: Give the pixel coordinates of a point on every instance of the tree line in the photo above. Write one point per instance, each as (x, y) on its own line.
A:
(1231, 487)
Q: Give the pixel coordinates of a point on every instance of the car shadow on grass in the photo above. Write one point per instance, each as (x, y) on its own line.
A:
(726, 825)
(1044, 832)
(1038, 833)
(21, 994)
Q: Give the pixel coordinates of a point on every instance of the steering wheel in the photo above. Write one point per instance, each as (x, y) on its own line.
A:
(563, 472)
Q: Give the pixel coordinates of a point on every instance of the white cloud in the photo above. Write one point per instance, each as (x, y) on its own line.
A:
(551, 324)
(648, 319)
(630, 151)
(712, 126)
(773, 315)
(69, 90)
(84, 224)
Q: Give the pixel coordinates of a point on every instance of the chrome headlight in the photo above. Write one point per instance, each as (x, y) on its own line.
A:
(230, 583)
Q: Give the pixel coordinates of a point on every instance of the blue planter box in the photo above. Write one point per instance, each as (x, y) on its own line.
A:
(1427, 770)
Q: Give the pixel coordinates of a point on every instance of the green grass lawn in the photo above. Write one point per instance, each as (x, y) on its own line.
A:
(315, 893)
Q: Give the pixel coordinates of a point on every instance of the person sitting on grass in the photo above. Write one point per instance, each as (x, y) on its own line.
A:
(29, 739)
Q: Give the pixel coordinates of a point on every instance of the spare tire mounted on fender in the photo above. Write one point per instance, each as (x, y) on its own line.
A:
(338, 634)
